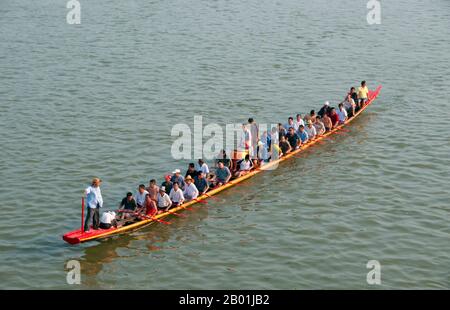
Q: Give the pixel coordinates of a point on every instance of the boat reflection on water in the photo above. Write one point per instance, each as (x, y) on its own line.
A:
(154, 238)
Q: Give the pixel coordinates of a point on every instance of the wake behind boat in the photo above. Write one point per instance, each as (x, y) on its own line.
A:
(130, 218)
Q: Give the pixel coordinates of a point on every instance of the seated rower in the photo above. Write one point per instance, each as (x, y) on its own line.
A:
(202, 167)
(350, 102)
(327, 122)
(312, 116)
(342, 114)
(177, 177)
(167, 183)
(284, 146)
(222, 176)
(324, 110)
(320, 127)
(108, 220)
(164, 202)
(191, 171)
(176, 195)
(150, 208)
(289, 124)
(152, 189)
(222, 157)
(298, 121)
(201, 184)
(140, 196)
(244, 166)
(293, 139)
(334, 118)
(303, 134)
(311, 130)
(128, 204)
(281, 131)
(190, 190)
(352, 94)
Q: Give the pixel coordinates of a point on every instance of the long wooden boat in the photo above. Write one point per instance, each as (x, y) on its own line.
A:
(79, 236)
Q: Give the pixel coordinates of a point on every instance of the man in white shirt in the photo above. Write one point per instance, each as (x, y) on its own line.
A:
(141, 195)
(342, 113)
(164, 202)
(246, 138)
(94, 202)
(108, 219)
(310, 130)
(176, 194)
(290, 123)
(202, 167)
(298, 121)
(190, 190)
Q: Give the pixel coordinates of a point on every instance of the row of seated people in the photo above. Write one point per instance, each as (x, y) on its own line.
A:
(198, 180)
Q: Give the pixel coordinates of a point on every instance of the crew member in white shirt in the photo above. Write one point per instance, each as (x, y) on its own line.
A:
(140, 196)
(298, 121)
(342, 113)
(202, 167)
(310, 130)
(176, 194)
(94, 202)
(163, 200)
(108, 219)
(190, 190)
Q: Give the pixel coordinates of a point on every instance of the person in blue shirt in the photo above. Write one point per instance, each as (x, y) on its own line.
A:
(302, 134)
(94, 202)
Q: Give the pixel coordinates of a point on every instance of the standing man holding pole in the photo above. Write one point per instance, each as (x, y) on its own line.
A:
(94, 202)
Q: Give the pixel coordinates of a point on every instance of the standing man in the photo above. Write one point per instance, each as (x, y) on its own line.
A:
(94, 203)
(246, 138)
(254, 131)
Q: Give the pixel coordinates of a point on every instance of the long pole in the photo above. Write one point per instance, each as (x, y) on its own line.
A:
(82, 214)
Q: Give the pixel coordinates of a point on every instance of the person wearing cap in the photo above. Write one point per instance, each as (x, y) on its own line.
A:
(201, 184)
(293, 138)
(140, 196)
(164, 202)
(108, 220)
(310, 130)
(127, 204)
(94, 202)
(327, 122)
(324, 110)
(190, 190)
(303, 134)
(177, 177)
(342, 113)
(176, 195)
(201, 167)
(363, 94)
(263, 148)
(298, 121)
(167, 183)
